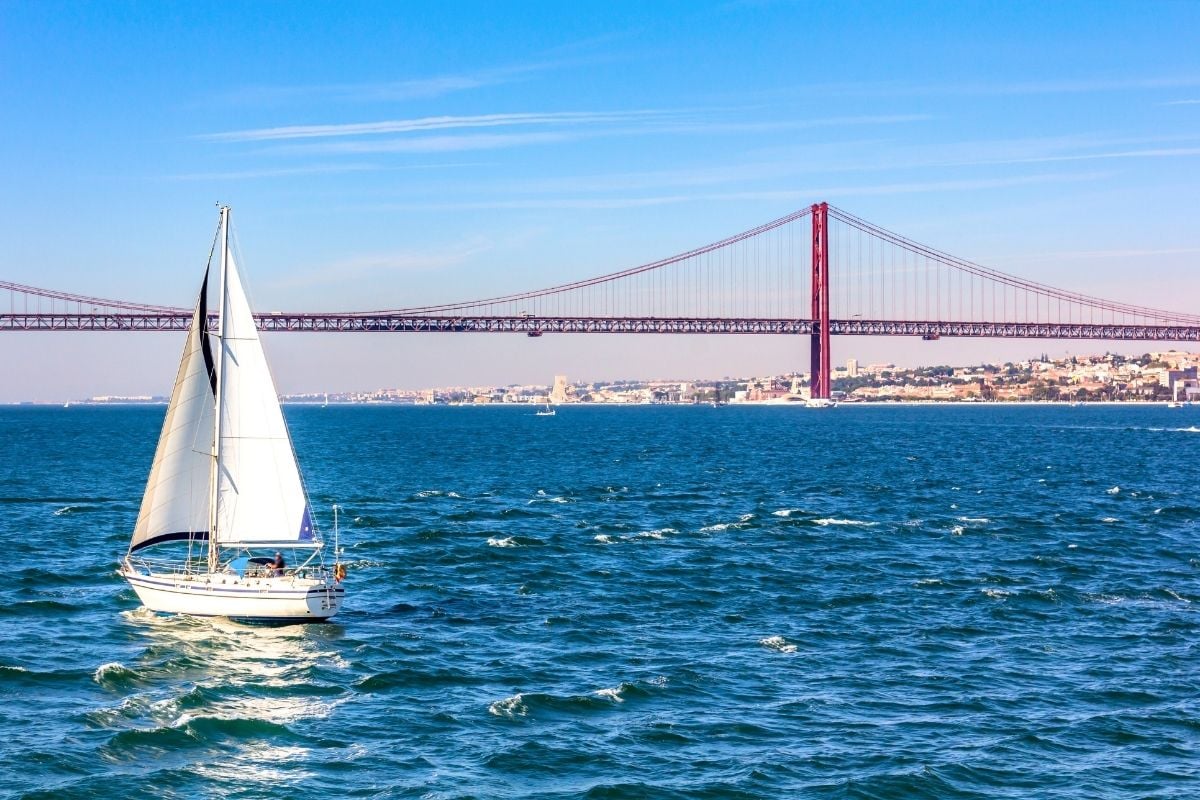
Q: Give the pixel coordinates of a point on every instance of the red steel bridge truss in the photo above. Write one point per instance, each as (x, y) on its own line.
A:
(818, 272)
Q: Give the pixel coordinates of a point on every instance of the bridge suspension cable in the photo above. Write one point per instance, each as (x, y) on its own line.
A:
(876, 282)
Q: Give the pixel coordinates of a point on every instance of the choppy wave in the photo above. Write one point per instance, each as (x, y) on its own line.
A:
(777, 643)
(535, 704)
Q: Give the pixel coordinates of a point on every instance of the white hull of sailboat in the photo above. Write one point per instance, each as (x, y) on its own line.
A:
(283, 599)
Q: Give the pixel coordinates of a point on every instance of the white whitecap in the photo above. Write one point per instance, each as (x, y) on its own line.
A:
(611, 694)
(111, 668)
(509, 707)
(1113, 490)
(777, 643)
(507, 541)
(658, 533)
(837, 521)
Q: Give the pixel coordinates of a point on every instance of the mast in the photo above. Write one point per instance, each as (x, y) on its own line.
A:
(214, 553)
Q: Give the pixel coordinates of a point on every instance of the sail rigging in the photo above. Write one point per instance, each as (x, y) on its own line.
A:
(175, 505)
(259, 496)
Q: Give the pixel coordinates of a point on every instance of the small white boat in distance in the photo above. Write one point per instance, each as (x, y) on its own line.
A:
(1175, 399)
(820, 402)
(546, 412)
(224, 497)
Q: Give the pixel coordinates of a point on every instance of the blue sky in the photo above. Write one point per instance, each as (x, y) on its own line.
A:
(388, 155)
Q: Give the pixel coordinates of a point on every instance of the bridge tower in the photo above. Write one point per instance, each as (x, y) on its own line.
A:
(819, 382)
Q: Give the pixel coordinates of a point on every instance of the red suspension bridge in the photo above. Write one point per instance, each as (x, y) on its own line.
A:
(773, 279)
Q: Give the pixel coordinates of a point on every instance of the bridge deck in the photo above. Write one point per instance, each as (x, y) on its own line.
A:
(354, 323)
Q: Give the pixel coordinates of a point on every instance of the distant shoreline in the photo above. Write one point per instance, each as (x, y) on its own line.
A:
(746, 403)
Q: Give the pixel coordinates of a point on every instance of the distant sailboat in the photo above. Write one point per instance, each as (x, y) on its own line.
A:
(1175, 398)
(546, 412)
(225, 482)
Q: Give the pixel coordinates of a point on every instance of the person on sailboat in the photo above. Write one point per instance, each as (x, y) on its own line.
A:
(278, 565)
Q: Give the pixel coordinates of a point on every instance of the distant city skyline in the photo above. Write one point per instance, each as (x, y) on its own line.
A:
(386, 157)
(560, 386)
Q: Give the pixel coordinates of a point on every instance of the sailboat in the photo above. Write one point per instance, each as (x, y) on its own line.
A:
(1174, 403)
(546, 412)
(225, 484)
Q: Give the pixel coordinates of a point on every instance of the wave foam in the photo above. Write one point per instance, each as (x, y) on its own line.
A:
(113, 670)
(778, 643)
(612, 694)
(1113, 490)
(658, 533)
(507, 541)
(509, 707)
(835, 521)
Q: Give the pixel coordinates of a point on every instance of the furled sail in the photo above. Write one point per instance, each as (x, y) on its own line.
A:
(259, 495)
(176, 503)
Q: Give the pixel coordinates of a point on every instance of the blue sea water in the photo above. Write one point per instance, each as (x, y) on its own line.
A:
(652, 602)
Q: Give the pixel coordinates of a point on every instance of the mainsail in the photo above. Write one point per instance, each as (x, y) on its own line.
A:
(176, 503)
(259, 495)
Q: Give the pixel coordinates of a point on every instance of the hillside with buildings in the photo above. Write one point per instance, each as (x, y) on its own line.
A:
(1092, 378)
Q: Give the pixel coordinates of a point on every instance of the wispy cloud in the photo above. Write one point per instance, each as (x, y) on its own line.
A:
(385, 91)
(281, 172)
(802, 195)
(437, 144)
(315, 169)
(1051, 86)
(430, 124)
(884, 156)
(404, 136)
(1066, 85)
(1182, 103)
(1165, 152)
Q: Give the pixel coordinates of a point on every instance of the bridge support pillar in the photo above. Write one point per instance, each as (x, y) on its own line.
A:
(819, 381)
